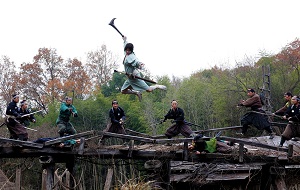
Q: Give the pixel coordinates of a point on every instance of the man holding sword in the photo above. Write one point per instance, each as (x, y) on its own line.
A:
(63, 120)
(16, 129)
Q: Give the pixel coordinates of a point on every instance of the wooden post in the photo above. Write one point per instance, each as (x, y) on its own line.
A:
(108, 179)
(185, 151)
(241, 152)
(70, 166)
(18, 179)
(68, 179)
(44, 176)
(290, 150)
(131, 145)
(49, 175)
(81, 146)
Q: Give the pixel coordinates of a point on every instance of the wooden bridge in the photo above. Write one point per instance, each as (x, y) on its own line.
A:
(173, 165)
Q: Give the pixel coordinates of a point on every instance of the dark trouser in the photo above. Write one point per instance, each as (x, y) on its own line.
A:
(114, 128)
(65, 128)
(16, 130)
(291, 130)
(175, 129)
(259, 121)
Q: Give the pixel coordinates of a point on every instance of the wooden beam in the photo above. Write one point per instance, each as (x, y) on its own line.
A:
(21, 143)
(218, 129)
(241, 152)
(18, 178)
(185, 151)
(131, 145)
(138, 133)
(176, 140)
(108, 180)
(236, 140)
(129, 137)
(81, 146)
(62, 139)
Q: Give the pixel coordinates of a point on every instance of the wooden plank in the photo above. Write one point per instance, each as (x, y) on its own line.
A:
(129, 137)
(18, 178)
(236, 140)
(131, 145)
(227, 177)
(62, 139)
(138, 133)
(241, 152)
(185, 151)
(21, 143)
(218, 129)
(176, 140)
(81, 146)
(108, 179)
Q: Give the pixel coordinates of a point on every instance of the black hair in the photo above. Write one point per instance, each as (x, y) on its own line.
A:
(129, 46)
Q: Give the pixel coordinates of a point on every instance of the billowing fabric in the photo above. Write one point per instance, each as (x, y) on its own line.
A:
(175, 129)
(131, 64)
(291, 130)
(257, 120)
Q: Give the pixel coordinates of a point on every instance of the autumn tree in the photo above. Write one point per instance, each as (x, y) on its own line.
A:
(101, 64)
(51, 64)
(8, 80)
(32, 84)
(76, 79)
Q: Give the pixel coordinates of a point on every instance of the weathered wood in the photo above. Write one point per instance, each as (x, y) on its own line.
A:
(241, 152)
(18, 179)
(108, 179)
(185, 151)
(21, 143)
(130, 149)
(129, 137)
(176, 140)
(227, 177)
(218, 129)
(49, 175)
(236, 140)
(44, 177)
(62, 139)
(138, 133)
(290, 150)
(81, 146)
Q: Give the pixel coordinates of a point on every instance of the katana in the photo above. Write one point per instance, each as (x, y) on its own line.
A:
(147, 80)
(30, 129)
(31, 113)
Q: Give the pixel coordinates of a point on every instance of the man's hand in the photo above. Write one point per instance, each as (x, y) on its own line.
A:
(70, 109)
(121, 121)
(33, 121)
(19, 116)
(124, 38)
(75, 115)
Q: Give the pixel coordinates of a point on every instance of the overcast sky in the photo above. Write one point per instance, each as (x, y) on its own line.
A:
(171, 37)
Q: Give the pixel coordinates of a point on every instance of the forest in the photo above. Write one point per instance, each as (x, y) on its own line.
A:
(208, 97)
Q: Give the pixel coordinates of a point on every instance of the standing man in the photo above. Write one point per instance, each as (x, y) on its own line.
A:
(293, 116)
(256, 116)
(117, 119)
(16, 129)
(23, 110)
(288, 97)
(179, 126)
(131, 65)
(63, 120)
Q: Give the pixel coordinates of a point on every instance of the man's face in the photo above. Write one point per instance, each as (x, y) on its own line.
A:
(115, 105)
(250, 94)
(287, 97)
(128, 51)
(294, 100)
(16, 99)
(174, 104)
(25, 106)
(68, 101)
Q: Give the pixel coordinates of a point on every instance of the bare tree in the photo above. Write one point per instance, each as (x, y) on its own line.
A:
(8, 80)
(101, 64)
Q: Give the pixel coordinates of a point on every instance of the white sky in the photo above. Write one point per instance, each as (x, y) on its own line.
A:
(172, 37)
